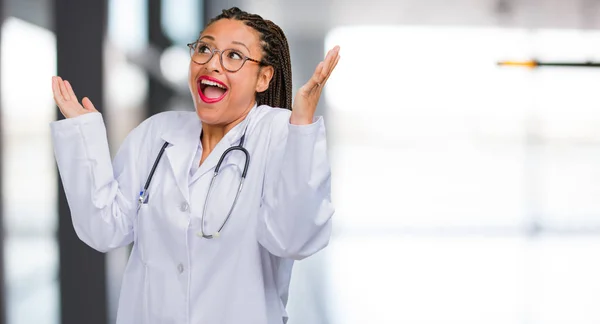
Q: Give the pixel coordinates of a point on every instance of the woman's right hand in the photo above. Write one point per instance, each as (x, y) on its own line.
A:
(67, 101)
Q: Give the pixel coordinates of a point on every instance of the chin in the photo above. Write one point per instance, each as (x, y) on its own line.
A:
(205, 114)
(209, 114)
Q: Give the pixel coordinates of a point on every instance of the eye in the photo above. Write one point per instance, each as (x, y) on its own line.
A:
(234, 55)
(203, 48)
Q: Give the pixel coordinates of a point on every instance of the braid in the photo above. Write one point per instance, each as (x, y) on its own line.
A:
(276, 53)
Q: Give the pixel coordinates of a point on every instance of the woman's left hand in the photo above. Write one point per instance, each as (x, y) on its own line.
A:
(305, 103)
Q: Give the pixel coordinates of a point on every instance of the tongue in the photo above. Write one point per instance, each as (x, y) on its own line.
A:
(213, 92)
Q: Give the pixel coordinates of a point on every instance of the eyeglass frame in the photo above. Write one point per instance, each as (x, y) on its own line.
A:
(214, 50)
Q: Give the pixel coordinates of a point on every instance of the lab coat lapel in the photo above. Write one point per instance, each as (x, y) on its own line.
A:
(230, 139)
(213, 158)
(184, 143)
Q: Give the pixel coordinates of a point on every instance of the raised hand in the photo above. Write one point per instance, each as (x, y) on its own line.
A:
(67, 101)
(307, 97)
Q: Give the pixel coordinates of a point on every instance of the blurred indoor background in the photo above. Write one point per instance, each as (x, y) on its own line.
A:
(465, 192)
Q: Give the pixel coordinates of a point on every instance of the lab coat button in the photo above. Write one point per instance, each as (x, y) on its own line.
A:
(184, 206)
(180, 268)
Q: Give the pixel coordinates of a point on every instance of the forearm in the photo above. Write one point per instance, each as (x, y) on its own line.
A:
(295, 219)
(101, 215)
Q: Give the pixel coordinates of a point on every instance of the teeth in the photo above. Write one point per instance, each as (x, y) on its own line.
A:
(212, 83)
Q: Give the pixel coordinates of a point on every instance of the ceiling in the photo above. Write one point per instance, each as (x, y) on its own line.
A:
(318, 16)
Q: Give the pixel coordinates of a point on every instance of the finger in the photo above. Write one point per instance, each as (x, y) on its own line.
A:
(63, 89)
(88, 105)
(337, 59)
(70, 90)
(331, 55)
(58, 99)
(56, 91)
(315, 80)
(321, 77)
(330, 60)
(324, 69)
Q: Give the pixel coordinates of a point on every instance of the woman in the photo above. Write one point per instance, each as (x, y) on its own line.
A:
(207, 249)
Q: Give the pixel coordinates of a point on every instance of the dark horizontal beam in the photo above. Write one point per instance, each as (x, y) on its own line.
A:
(535, 64)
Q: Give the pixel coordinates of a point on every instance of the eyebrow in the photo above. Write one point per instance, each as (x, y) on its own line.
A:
(233, 42)
(240, 43)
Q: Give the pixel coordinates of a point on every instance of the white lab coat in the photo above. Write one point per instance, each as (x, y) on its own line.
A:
(174, 276)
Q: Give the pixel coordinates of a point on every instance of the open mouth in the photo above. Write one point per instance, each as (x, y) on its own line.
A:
(211, 90)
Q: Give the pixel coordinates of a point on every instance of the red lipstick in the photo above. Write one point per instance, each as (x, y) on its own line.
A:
(204, 82)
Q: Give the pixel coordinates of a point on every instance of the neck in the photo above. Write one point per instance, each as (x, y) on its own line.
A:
(213, 134)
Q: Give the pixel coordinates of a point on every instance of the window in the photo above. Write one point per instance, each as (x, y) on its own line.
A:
(29, 174)
(465, 192)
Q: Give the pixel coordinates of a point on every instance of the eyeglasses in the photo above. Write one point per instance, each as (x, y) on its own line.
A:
(231, 60)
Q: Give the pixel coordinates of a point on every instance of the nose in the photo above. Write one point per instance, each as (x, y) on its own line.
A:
(214, 64)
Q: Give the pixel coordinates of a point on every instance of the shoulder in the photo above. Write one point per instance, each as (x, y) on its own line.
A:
(277, 120)
(168, 119)
(146, 138)
(272, 117)
(163, 122)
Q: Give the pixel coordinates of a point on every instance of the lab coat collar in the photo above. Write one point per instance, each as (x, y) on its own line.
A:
(188, 132)
(184, 141)
(235, 134)
(193, 128)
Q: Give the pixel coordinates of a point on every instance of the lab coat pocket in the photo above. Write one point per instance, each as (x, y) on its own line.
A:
(160, 301)
(143, 213)
(141, 230)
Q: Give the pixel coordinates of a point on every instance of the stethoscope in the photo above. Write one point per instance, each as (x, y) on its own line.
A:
(240, 147)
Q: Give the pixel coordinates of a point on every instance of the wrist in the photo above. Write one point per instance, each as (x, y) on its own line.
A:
(300, 119)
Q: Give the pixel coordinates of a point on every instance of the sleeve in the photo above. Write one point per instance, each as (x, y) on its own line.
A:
(295, 216)
(101, 195)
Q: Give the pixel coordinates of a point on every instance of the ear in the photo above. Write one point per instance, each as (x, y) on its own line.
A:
(265, 74)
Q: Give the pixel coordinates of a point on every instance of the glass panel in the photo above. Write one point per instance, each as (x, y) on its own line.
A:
(475, 280)
(126, 89)
(465, 192)
(29, 174)
(182, 20)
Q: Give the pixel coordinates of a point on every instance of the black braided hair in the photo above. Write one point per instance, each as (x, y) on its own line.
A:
(276, 53)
